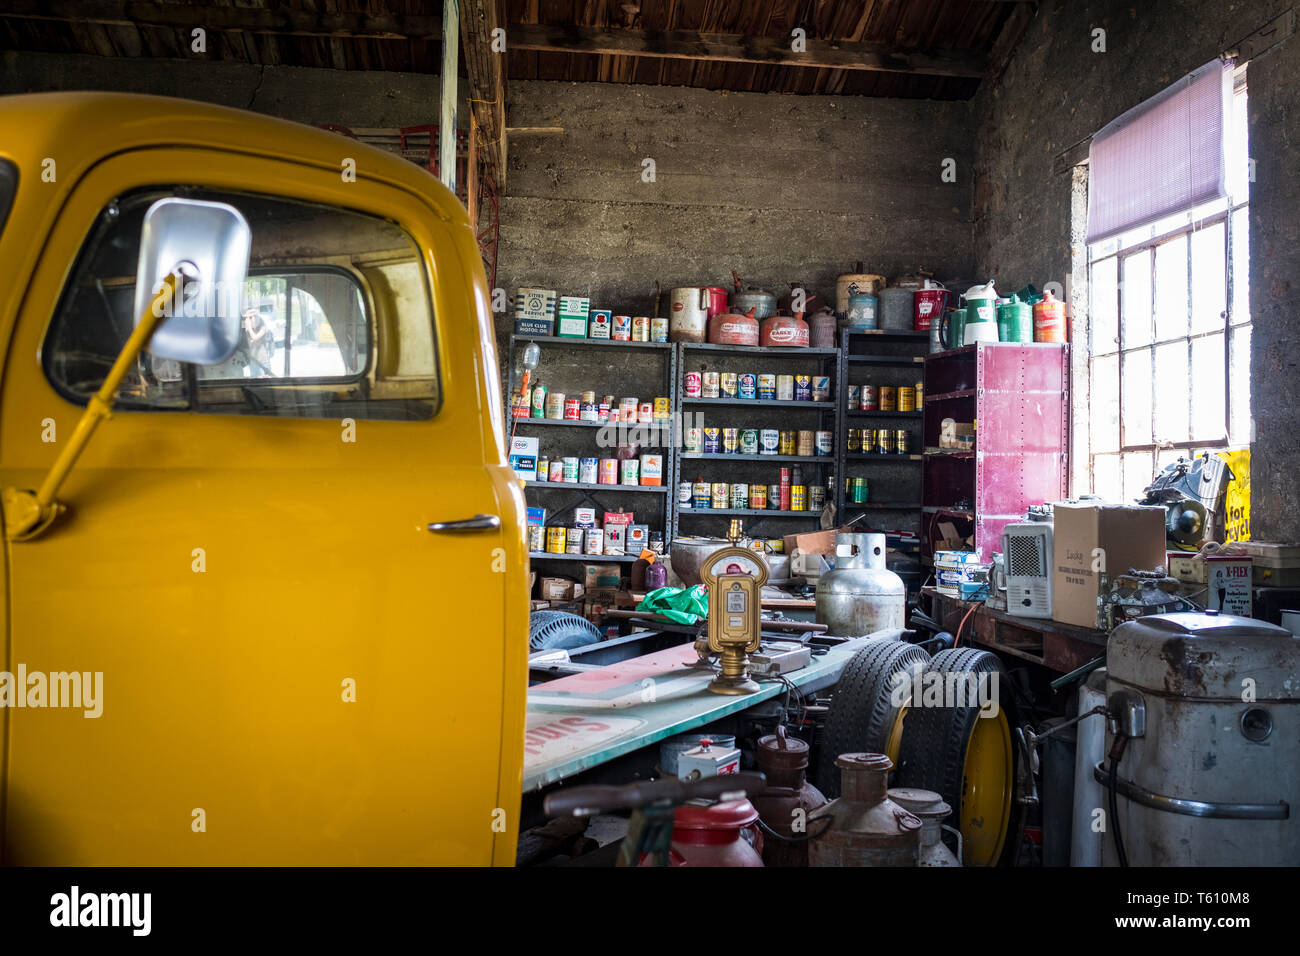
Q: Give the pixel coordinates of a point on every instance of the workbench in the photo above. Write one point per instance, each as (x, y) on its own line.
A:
(1058, 647)
(584, 720)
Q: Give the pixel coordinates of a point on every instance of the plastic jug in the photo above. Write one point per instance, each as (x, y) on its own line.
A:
(981, 315)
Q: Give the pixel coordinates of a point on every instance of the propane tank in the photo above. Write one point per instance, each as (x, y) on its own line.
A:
(867, 828)
(860, 595)
(929, 807)
(824, 327)
(784, 760)
(730, 329)
(1049, 319)
(785, 330)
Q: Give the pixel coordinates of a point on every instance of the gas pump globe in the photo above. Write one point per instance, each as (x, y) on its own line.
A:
(735, 577)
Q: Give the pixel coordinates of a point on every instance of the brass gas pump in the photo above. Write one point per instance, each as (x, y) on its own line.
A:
(735, 577)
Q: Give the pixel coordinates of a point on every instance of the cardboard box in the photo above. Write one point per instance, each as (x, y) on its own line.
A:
(559, 589)
(601, 576)
(1091, 542)
(951, 434)
(1275, 565)
(538, 605)
(813, 542)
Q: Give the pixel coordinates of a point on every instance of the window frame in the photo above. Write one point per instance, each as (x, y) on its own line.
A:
(290, 381)
(1223, 211)
(190, 400)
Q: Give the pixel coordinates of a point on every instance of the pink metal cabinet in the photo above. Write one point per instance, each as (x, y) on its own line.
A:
(1018, 394)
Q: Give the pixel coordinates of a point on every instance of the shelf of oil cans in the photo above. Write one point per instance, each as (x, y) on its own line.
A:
(880, 420)
(593, 442)
(758, 443)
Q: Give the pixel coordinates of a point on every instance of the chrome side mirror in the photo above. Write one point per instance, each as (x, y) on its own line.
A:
(207, 244)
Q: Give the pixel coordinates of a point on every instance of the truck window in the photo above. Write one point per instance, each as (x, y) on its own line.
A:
(337, 318)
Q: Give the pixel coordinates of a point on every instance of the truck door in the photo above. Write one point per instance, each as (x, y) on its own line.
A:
(246, 579)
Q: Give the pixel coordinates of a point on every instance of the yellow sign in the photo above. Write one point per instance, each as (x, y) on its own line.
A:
(1236, 520)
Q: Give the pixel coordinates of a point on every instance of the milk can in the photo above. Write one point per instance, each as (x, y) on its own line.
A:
(930, 808)
(788, 799)
(867, 828)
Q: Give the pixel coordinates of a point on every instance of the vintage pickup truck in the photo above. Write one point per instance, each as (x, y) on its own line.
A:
(222, 639)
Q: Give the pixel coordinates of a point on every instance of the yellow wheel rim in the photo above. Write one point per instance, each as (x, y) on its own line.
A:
(988, 788)
(896, 734)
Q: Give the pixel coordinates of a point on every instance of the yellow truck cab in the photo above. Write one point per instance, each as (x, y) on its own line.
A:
(223, 642)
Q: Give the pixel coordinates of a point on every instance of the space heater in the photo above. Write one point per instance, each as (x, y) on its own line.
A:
(1027, 551)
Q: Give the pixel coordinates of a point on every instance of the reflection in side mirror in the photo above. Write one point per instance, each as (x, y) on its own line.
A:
(208, 244)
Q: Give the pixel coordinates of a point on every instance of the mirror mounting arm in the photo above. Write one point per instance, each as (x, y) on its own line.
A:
(28, 513)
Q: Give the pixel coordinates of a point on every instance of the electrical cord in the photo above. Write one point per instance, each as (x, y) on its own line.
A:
(1116, 752)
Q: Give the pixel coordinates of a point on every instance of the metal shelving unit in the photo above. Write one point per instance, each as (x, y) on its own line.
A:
(864, 349)
(756, 360)
(597, 495)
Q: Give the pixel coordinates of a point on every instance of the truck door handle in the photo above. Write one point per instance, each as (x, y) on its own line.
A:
(476, 523)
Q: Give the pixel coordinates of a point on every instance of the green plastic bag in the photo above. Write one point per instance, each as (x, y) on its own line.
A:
(689, 606)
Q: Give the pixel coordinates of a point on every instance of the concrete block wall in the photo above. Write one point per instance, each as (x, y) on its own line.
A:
(1056, 91)
(779, 188)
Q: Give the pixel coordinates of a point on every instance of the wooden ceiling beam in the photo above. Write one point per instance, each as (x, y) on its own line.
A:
(730, 48)
(288, 22)
(479, 20)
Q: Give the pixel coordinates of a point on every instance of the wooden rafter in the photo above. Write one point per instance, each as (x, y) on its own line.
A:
(281, 20)
(773, 51)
